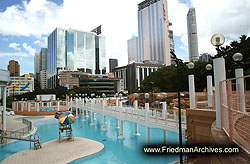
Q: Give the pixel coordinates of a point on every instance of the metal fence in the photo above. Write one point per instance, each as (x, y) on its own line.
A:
(235, 107)
(20, 132)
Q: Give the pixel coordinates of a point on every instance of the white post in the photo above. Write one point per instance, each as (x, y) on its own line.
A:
(37, 106)
(209, 91)
(165, 134)
(4, 108)
(121, 130)
(58, 106)
(147, 135)
(191, 91)
(116, 101)
(136, 130)
(103, 123)
(29, 106)
(240, 87)
(76, 106)
(117, 124)
(83, 113)
(147, 112)
(91, 118)
(164, 112)
(22, 105)
(120, 108)
(219, 75)
(71, 105)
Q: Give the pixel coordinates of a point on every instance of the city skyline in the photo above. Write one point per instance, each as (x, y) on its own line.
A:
(25, 25)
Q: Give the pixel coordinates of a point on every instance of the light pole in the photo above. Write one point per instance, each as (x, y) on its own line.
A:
(219, 75)
(209, 67)
(116, 100)
(135, 102)
(237, 57)
(103, 96)
(177, 61)
(191, 84)
(146, 95)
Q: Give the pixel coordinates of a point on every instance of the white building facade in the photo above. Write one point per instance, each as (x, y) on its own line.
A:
(192, 35)
(152, 42)
(20, 85)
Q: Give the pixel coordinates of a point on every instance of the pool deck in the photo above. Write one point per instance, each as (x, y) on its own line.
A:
(12, 124)
(56, 153)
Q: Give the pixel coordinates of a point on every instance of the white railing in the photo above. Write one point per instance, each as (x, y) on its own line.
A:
(157, 118)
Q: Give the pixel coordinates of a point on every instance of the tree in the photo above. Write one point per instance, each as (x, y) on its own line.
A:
(164, 80)
(242, 46)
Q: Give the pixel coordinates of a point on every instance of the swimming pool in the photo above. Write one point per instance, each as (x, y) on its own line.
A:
(115, 151)
(29, 118)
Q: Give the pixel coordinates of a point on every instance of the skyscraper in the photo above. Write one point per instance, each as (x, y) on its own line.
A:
(43, 59)
(153, 28)
(14, 68)
(37, 64)
(192, 35)
(112, 64)
(70, 49)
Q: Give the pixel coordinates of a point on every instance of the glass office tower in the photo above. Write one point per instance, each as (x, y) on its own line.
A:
(153, 42)
(70, 49)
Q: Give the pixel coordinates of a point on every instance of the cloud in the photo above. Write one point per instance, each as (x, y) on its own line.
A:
(10, 54)
(15, 46)
(29, 49)
(42, 41)
(119, 21)
(213, 16)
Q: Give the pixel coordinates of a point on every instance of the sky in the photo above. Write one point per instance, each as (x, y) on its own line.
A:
(25, 25)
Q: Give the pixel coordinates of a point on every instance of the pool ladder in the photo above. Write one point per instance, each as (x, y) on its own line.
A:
(35, 139)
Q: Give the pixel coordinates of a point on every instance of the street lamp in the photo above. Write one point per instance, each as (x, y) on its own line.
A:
(120, 95)
(191, 87)
(237, 57)
(217, 40)
(116, 100)
(135, 102)
(146, 97)
(177, 61)
(209, 86)
(103, 95)
(219, 75)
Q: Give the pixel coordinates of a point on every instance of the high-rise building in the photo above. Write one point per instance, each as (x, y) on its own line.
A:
(37, 65)
(70, 49)
(43, 59)
(43, 79)
(153, 28)
(192, 35)
(14, 68)
(134, 73)
(112, 64)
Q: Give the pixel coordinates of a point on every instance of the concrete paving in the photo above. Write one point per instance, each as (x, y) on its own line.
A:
(12, 124)
(56, 153)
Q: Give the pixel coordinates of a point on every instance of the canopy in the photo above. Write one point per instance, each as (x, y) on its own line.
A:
(66, 118)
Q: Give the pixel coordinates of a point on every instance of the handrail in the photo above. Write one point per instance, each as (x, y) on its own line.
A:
(235, 121)
(20, 132)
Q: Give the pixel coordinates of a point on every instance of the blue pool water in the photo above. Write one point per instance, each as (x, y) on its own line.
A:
(30, 118)
(127, 151)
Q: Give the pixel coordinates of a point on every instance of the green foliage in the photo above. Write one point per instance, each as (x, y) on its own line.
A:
(242, 46)
(165, 79)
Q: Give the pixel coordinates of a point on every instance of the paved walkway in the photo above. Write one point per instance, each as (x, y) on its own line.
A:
(12, 124)
(56, 153)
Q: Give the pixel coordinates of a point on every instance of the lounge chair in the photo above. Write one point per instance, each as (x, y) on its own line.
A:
(12, 113)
